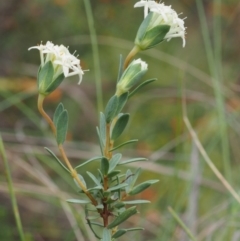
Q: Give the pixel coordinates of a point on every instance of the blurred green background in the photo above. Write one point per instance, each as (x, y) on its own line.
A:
(206, 70)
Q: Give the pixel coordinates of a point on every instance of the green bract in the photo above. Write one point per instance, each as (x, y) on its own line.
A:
(131, 76)
(151, 32)
(47, 82)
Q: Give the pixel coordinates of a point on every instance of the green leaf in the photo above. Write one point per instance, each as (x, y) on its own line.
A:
(135, 229)
(120, 68)
(78, 201)
(54, 84)
(95, 188)
(119, 233)
(57, 113)
(113, 173)
(102, 128)
(94, 179)
(131, 179)
(104, 166)
(89, 222)
(62, 126)
(88, 161)
(140, 86)
(100, 140)
(82, 180)
(106, 235)
(133, 202)
(119, 205)
(55, 157)
(45, 76)
(117, 187)
(111, 108)
(142, 186)
(120, 126)
(123, 144)
(114, 161)
(132, 160)
(122, 100)
(122, 217)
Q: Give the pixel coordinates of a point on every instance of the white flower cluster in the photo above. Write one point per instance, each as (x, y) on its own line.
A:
(167, 16)
(62, 60)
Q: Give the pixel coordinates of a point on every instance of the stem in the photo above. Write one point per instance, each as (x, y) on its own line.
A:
(214, 62)
(11, 191)
(130, 56)
(177, 218)
(75, 175)
(60, 147)
(96, 58)
(44, 114)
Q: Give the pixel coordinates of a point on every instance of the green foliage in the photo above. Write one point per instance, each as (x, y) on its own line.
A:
(104, 166)
(58, 161)
(146, 82)
(106, 235)
(111, 108)
(123, 217)
(123, 144)
(141, 187)
(45, 76)
(120, 126)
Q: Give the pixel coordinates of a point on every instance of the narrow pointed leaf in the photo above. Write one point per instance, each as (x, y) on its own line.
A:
(135, 229)
(133, 160)
(140, 86)
(123, 217)
(55, 157)
(120, 126)
(78, 201)
(114, 161)
(131, 179)
(123, 144)
(88, 161)
(133, 202)
(102, 128)
(89, 222)
(119, 233)
(62, 126)
(113, 173)
(100, 140)
(117, 187)
(142, 186)
(104, 166)
(96, 181)
(57, 113)
(106, 235)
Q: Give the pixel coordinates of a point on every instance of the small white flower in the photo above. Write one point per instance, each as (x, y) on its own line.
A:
(165, 15)
(63, 61)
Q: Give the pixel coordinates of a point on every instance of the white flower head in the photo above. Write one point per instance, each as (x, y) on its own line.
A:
(164, 15)
(62, 60)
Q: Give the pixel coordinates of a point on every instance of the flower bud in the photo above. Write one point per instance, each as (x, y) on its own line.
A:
(161, 23)
(131, 76)
(56, 63)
